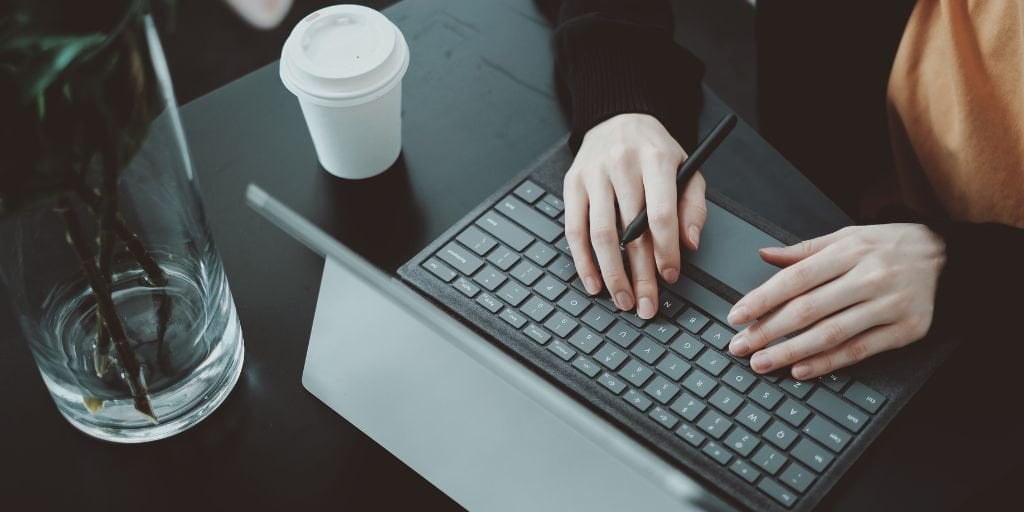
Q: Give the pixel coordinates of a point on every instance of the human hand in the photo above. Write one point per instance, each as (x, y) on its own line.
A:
(628, 161)
(859, 291)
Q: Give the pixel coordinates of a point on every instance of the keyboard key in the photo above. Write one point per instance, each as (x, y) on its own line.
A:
(753, 417)
(611, 382)
(513, 293)
(714, 424)
(662, 416)
(717, 336)
(690, 435)
(837, 410)
(865, 397)
(529, 191)
(526, 273)
(636, 373)
(726, 400)
(537, 334)
(564, 268)
(597, 318)
(779, 434)
(531, 219)
(489, 278)
(799, 388)
(687, 346)
(673, 366)
(835, 381)
(661, 389)
(718, 453)
(610, 356)
(563, 245)
(637, 400)
(793, 412)
(623, 334)
(826, 433)
(574, 303)
(477, 241)
(547, 209)
(586, 366)
(769, 459)
(738, 378)
(603, 299)
(779, 493)
(687, 406)
(460, 258)
(560, 324)
(700, 383)
(585, 340)
(669, 304)
(797, 477)
(561, 350)
(549, 288)
(439, 269)
(503, 257)
(632, 318)
(503, 229)
(713, 362)
(493, 305)
(741, 441)
(466, 287)
(692, 320)
(812, 454)
(661, 329)
(537, 309)
(766, 395)
(540, 253)
(513, 317)
(647, 350)
(555, 203)
(745, 471)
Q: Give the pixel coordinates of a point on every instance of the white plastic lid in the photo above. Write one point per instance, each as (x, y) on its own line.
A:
(343, 55)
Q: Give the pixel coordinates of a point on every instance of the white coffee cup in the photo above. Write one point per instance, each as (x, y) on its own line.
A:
(345, 64)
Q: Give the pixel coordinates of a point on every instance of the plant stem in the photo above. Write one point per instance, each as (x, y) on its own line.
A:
(105, 305)
(131, 240)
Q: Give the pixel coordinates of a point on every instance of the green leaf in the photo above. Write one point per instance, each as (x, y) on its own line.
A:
(44, 58)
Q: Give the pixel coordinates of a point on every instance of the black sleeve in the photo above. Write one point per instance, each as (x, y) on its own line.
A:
(615, 57)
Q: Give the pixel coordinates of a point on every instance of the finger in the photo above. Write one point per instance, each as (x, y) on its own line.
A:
(856, 349)
(800, 312)
(693, 211)
(577, 234)
(823, 336)
(786, 256)
(793, 281)
(662, 216)
(630, 197)
(605, 238)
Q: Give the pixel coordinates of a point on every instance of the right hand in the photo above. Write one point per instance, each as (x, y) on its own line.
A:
(628, 161)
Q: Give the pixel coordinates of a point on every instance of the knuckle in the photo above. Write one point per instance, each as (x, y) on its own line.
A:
(857, 351)
(661, 217)
(604, 235)
(698, 210)
(875, 280)
(800, 276)
(827, 364)
(806, 310)
(834, 333)
(573, 230)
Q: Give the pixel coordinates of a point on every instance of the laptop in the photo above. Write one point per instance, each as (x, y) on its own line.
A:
(490, 371)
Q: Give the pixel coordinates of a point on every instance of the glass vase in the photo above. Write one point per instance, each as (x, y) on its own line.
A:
(116, 282)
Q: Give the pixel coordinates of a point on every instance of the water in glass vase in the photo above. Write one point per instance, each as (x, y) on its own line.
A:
(184, 336)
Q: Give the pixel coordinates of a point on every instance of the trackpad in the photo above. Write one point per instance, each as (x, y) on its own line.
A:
(728, 251)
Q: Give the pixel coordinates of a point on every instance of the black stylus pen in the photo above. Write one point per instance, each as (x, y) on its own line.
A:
(685, 172)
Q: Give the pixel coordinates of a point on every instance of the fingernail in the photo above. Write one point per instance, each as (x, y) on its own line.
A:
(624, 301)
(761, 362)
(738, 345)
(646, 308)
(671, 275)
(694, 235)
(801, 371)
(590, 284)
(738, 315)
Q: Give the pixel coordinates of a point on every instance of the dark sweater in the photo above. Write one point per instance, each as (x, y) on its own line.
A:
(822, 74)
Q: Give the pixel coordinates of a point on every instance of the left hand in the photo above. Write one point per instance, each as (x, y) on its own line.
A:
(859, 291)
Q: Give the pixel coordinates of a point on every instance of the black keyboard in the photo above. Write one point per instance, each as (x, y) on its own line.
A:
(772, 432)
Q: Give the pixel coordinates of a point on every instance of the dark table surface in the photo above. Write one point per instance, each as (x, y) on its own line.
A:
(479, 105)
